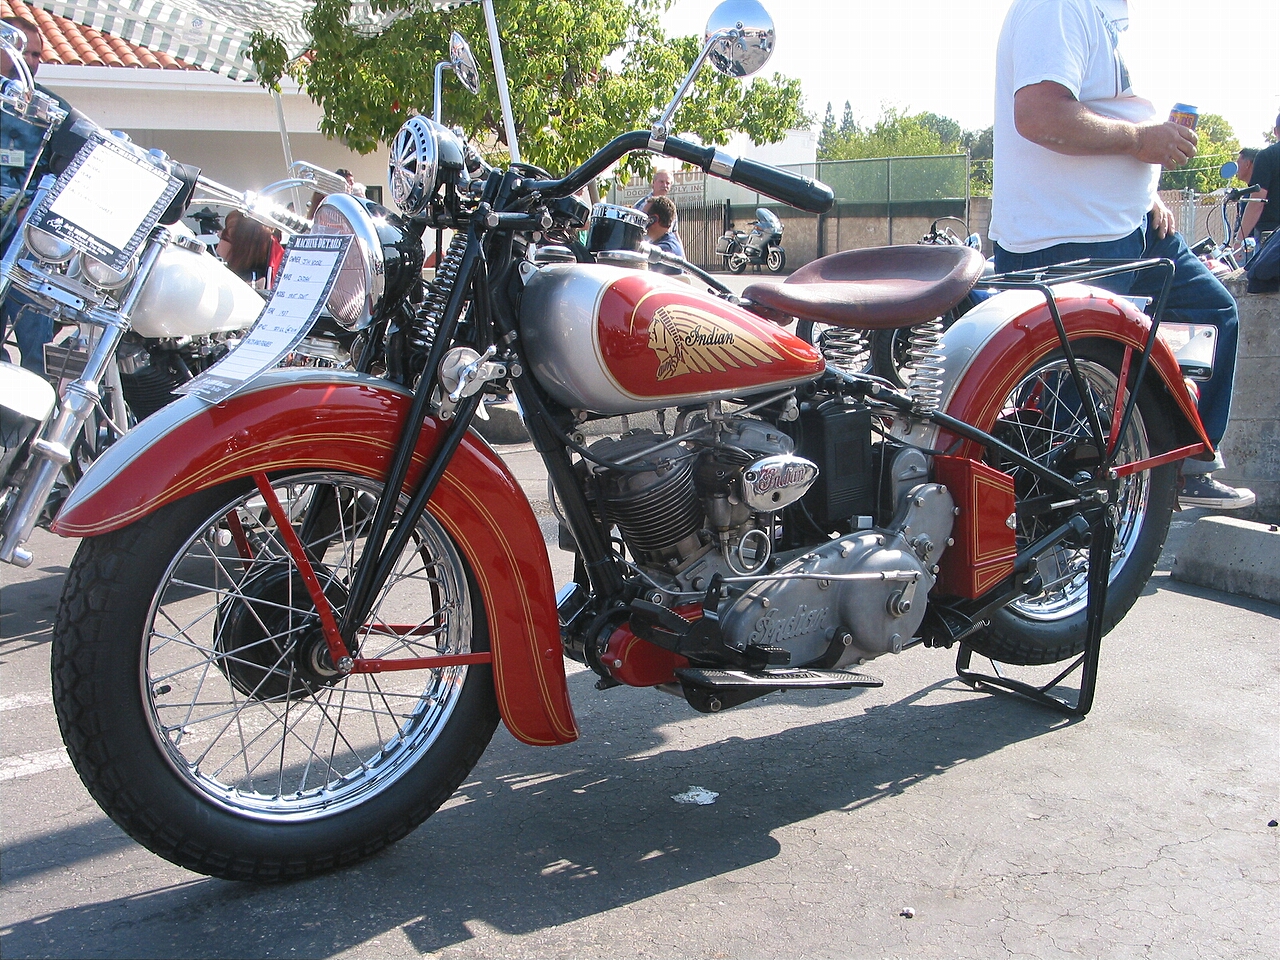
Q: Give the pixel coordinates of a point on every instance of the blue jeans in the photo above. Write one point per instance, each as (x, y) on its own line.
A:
(1195, 297)
(32, 328)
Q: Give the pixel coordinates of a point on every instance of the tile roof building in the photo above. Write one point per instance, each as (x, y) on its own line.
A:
(72, 44)
(229, 128)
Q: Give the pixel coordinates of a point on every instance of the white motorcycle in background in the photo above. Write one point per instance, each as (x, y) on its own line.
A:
(131, 331)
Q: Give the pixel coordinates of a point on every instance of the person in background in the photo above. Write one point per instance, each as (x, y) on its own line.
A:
(353, 188)
(662, 216)
(32, 327)
(1264, 173)
(661, 188)
(249, 250)
(1078, 155)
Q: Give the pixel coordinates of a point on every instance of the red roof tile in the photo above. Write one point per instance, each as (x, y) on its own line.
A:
(71, 43)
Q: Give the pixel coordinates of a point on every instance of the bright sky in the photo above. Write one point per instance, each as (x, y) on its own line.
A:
(939, 55)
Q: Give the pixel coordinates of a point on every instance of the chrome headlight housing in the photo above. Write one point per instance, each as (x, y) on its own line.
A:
(104, 277)
(424, 155)
(46, 246)
(357, 292)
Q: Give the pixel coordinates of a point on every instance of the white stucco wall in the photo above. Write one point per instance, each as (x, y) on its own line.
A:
(228, 129)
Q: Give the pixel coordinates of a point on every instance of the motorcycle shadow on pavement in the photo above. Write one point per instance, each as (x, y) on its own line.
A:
(538, 838)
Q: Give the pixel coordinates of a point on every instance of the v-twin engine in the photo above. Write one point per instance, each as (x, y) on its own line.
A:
(711, 511)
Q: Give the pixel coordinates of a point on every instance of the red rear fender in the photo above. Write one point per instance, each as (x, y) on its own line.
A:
(991, 346)
(297, 420)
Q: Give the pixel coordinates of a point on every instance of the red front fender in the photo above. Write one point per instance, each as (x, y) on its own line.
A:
(292, 420)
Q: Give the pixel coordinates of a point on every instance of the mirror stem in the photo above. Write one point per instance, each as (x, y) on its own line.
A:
(662, 126)
(437, 110)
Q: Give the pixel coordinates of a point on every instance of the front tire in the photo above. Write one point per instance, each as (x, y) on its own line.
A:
(198, 704)
(776, 260)
(1042, 418)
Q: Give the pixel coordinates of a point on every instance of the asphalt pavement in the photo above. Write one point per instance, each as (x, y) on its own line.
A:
(917, 820)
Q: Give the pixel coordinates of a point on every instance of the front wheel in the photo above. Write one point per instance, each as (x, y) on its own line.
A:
(201, 709)
(1043, 417)
(776, 260)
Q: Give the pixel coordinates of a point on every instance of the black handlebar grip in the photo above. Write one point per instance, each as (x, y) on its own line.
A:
(791, 188)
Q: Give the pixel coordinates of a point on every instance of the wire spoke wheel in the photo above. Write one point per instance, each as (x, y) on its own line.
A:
(1045, 417)
(236, 689)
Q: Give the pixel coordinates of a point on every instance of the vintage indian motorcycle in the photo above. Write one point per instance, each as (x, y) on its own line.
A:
(266, 665)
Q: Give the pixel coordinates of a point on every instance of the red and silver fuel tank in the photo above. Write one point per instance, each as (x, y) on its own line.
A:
(616, 341)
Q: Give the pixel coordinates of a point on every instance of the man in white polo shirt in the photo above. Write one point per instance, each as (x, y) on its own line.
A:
(1078, 155)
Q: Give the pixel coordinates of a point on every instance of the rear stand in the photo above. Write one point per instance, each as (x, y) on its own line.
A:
(1103, 532)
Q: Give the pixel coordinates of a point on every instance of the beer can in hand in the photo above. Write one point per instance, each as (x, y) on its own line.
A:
(1184, 115)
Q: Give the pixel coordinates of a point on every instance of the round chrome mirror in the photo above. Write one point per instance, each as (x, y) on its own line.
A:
(746, 36)
(464, 63)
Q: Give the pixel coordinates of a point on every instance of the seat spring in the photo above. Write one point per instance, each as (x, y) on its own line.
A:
(924, 365)
(845, 348)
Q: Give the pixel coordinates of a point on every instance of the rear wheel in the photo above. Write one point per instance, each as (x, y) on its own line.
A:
(736, 262)
(201, 709)
(1043, 417)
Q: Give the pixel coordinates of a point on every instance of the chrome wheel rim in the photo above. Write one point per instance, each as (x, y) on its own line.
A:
(259, 723)
(1039, 417)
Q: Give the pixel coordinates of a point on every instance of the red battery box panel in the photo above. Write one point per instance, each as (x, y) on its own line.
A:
(985, 539)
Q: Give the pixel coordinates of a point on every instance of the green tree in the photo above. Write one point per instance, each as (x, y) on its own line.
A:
(828, 134)
(580, 72)
(848, 126)
(1216, 146)
(895, 134)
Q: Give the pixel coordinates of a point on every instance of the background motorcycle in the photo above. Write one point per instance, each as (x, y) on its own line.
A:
(763, 245)
(126, 338)
(297, 616)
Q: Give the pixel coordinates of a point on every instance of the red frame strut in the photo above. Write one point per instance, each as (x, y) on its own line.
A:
(329, 624)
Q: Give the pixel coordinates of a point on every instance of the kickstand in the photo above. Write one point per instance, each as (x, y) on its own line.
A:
(1103, 533)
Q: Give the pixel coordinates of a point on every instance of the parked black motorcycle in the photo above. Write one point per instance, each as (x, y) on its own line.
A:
(763, 245)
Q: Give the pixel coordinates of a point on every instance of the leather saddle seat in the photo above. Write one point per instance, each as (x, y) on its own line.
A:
(878, 288)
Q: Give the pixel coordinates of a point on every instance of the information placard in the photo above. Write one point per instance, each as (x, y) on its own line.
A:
(306, 278)
(107, 201)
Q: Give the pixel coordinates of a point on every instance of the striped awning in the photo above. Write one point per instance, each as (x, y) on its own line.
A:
(212, 34)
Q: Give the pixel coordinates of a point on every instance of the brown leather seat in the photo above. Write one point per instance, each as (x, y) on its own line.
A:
(879, 288)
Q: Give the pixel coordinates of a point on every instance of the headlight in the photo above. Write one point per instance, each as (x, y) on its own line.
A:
(358, 290)
(105, 277)
(424, 155)
(46, 246)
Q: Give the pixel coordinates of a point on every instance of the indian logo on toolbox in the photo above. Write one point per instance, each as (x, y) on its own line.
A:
(693, 341)
(663, 340)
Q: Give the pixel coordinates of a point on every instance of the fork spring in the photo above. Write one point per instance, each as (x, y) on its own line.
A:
(427, 321)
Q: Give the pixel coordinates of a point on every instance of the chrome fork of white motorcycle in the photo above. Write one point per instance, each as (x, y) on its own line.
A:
(52, 450)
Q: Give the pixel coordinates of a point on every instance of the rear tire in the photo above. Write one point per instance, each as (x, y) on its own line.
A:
(736, 262)
(1038, 418)
(198, 704)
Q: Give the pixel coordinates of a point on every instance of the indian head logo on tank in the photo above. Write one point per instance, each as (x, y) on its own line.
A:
(660, 339)
(694, 341)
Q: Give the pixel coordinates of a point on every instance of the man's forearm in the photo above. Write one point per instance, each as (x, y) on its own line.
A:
(1252, 213)
(1048, 114)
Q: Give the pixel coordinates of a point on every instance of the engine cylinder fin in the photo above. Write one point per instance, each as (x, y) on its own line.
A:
(654, 511)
